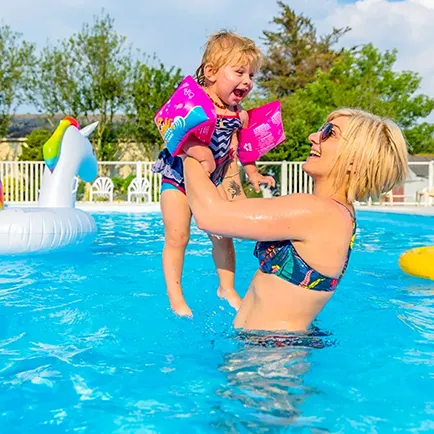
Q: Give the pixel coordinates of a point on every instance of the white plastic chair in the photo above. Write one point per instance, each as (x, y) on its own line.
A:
(140, 190)
(424, 194)
(103, 187)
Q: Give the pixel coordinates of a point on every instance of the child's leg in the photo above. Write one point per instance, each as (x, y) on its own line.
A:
(223, 248)
(176, 218)
(223, 253)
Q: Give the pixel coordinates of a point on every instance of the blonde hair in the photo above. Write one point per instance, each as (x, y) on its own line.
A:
(225, 48)
(373, 152)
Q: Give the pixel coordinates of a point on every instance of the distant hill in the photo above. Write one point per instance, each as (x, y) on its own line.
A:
(22, 125)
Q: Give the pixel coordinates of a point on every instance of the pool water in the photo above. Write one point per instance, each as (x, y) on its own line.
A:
(88, 344)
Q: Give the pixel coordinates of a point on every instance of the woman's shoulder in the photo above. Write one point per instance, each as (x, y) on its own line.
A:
(322, 210)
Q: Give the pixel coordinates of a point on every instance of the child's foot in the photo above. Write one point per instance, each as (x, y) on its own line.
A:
(181, 308)
(231, 296)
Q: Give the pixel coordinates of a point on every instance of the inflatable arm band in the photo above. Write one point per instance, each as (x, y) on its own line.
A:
(264, 132)
(188, 111)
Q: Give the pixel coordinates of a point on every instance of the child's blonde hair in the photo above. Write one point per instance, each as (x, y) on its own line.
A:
(225, 48)
(373, 154)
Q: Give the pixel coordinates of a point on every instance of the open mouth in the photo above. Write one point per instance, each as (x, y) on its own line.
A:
(240, 93)
(315, 154)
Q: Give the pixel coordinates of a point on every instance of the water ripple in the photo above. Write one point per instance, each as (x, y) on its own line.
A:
(88, 342)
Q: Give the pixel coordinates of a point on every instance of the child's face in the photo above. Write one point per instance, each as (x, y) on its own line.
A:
(233, 83)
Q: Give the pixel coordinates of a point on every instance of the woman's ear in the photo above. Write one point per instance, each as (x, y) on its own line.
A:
(209, 73)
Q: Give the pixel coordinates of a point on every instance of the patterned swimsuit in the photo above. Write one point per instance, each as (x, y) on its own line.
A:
(281, 258)
(172, 170)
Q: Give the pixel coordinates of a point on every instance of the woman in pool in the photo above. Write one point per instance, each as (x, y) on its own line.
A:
(305, 240)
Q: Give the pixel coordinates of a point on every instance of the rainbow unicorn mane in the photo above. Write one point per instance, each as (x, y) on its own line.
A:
(51, 149)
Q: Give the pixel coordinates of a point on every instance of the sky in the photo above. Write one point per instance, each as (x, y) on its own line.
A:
(176, 30)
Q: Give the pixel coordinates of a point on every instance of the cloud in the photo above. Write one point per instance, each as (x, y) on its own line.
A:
(405, 25)
(177, 30)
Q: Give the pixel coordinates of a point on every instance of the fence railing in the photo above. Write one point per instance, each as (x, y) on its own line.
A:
(418, 190)
(22, 181)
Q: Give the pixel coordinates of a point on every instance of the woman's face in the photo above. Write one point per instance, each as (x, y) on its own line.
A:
(325, 148)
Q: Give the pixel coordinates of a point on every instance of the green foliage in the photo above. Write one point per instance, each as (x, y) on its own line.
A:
(87, 75)
(420, 138)
(32, 151)
(93, 76)
(365, 79)
(249, 191)
(15, 58)
(81, 190)
(295, 52)
(152, 86)
(121, 184)
(300, 117)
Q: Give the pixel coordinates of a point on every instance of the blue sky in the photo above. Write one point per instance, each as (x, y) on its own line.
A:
(176, 30)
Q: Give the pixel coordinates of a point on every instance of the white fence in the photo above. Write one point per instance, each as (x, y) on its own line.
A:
(22, 180)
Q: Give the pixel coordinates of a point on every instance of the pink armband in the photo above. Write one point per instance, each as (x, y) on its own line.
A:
(264, 132)
(188, 111)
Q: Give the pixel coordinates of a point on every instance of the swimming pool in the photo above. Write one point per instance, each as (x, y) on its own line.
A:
(87, 343)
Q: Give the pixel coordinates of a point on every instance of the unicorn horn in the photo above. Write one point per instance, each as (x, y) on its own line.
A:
(88, 129)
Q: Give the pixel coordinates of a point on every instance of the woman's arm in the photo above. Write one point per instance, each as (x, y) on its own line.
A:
(285, 217)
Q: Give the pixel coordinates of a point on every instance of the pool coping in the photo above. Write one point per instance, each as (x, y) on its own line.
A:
(123, 207)
(102, 207)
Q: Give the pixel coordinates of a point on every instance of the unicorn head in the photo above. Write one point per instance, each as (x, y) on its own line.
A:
(51, 149)
(67, 153)
(69, 141)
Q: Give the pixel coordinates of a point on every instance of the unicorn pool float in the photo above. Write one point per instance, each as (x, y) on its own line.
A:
(190, 111)
(55, 223)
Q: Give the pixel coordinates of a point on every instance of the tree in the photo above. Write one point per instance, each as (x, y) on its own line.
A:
(32, 150)
(15, 58)
(420, 138)
(365, 79)
(87, 75)
(295, 53)
(152, 86)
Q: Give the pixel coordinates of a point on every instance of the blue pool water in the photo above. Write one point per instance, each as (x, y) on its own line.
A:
(87, 343)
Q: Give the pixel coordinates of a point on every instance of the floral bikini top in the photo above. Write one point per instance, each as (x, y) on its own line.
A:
(281, 258)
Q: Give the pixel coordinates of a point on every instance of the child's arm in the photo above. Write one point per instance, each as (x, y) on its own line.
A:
(255, 177)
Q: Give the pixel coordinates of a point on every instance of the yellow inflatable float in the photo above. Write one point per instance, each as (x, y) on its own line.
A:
(418, 262)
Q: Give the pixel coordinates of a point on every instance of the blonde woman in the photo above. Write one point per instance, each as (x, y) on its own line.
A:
(305, 240)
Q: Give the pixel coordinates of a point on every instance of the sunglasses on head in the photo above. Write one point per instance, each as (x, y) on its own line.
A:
(326, 131)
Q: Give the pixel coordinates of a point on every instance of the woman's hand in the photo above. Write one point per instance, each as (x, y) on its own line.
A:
(201, 152)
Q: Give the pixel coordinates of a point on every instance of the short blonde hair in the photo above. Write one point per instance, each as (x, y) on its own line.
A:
(373, 153)
(224, 48)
